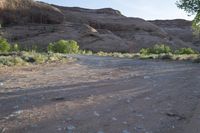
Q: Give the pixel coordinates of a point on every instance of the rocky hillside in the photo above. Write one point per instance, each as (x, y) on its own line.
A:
(179, 28)
(98, 30)
(28, 11)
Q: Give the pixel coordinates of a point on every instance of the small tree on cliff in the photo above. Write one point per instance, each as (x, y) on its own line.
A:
(193, 8)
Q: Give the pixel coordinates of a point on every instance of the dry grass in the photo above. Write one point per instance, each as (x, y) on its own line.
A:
(30, 58)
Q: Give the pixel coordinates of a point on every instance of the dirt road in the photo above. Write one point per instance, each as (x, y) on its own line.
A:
(101, 95)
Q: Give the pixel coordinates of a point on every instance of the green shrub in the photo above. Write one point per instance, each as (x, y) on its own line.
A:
(50, 47)
(4, 45)
(15, 47)
(157, 49)
(160, 49)
(40, 58)
(145, 51)
(64, 46)
(185, 51)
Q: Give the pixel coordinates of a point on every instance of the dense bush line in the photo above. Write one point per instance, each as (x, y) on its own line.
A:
(56, 51)
(164, 49)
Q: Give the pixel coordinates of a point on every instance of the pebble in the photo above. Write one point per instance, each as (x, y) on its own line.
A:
(139, 128)
(34, 125)
(108, 110)
(18, 112)
(146, 77)
(14, 114)
(128, 100)
(69, 119)
(147, 98)
(59, 129)
(139, 115)
(3, 130)
(125, 122)
(110, 96)
(70, 128)
(96, 114)
(114, 118)
(100, 132)
(125, 131)
(16, 107)
(1, 84)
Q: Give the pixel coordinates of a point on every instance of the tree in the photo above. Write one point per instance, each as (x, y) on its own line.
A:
(193, 8)
(64, 46)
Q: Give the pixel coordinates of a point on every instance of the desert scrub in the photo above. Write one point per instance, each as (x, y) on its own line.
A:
(190, 57)
(34, 57)
(55, 57)
(11, 61)
(85, 52)
(14, 48)
(4, 45)
(40, 58)
(64, 46)
(156, 49)
(186, 51)
(29, 58)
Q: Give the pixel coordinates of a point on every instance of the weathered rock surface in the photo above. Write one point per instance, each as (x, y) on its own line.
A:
(41, 35)
(95, 29)
(179, 28)
(28, 11)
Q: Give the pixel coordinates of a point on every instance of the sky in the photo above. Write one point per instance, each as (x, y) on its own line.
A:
(146, 9)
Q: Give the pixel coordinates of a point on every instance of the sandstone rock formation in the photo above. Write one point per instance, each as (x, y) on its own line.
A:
(179, 28)
(95, 29)
(28, 11)
(136, 32)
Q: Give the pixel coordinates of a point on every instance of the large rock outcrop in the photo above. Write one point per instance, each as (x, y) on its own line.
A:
(28, 11)
(179, 28)
(95, 29)
(41, 35)
(137, 32)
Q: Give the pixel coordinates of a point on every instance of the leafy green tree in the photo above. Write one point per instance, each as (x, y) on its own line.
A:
(193, 8)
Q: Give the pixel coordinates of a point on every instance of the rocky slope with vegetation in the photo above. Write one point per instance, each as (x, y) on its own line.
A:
(36, 24)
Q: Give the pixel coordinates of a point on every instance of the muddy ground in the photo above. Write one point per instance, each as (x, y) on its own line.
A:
(101, 95)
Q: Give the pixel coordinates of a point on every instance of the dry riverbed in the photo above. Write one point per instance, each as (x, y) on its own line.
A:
(101, 95)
